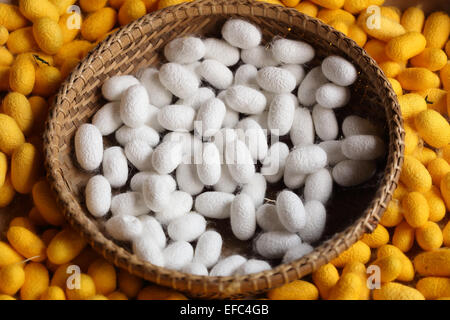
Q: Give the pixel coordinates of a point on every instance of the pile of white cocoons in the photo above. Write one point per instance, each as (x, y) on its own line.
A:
(201, 139)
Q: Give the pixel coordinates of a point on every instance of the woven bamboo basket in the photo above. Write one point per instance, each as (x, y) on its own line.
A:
(352, 211)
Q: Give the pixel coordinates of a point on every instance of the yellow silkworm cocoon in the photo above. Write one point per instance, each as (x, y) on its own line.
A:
(37, 58)
(60, 276)
(45, 202)
(36, 281)
(391, 12)
(390, 268)
(391, 68)
(411, 104)
(12, 278)
(308, 8)
(98, 23)
(278, 2)
(327, 15)
(414, 175)
(357, 34)
(53, 293)
(154, 292)
(39, 108)
(400, 192)
(437, 29)
(168, 3)
(4, 34)
(415, 209)
(11, 137)
(65, 246)
(424, 155)
(104, 275)
(117, 295)
(296, 290)
(447, 48)
(98, 297)
(92, 5)
(62, 5)
(48, 80)
(359, 269)
(436, 204)
(356, 6)
(116, 3)
(330, 4)
(85, 291)
(431, 58)
(16, 106)
(418, 79)
(347, 288)
(393, 214)
(6, 297)
(129, 284)
(445, 189)
(413, 19)
(325, 278)
(339, 25)
(445, 153)
(379, 237)
(131, 10)
(22, 76)
(433, 263)
(7, 192)
(48, 35)
(25, 168)
(359, 251)
(438, 168)
(23, 222)
(26, 243)
(68, 67)
(75, 49)
(70, 24)
(291, 3)
(445, 76)
(11, 17)
(406, 46)
(437, 99)
(396, 291)
(3, 168)
(35, 9)
(434, 287)
(8, 255)
(403, 237)
(446, 235)
(388, 30)
(429, 236)
(433, 128)
(6, 57)
(396, 86)
(376, 49)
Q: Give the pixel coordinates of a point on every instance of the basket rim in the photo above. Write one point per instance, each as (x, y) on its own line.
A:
(226, 286)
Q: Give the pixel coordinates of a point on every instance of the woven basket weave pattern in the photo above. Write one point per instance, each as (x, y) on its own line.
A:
(137, 45)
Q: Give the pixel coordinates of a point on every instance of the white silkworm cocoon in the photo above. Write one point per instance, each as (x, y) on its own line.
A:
(261, 119)
(124, 227)
(267, 218)
(209, 169)
(216, 73)
(230, 119)
(242, 217)
(246, 75)
(208, 248)
(306, 159)
(198, 99)
(188, 180)
(250, 132)
(98, 196)
(152, 118)
(349, 173)
(158, 95)
(245, 99)
(195, 268)
(226, 182)
(221, 51)
(115, 166)
(211, 115)
(134, 106)
(274, 244)
(114, 87)
(256, 189)
(307, 89)
(177, 255)
(136, 182)
(157, 191)
(355, 125)
(316, 217)
(167, 156)
(239, 161)
(180, 203)
(184, 50)
(297, 71)
(187, 227)
(129, 203)
(145, 133)
(191, 145)
(259, 56)
(325, 123)
(290, 211)
(363, 147)
(292, 51)
(227, 266)
(318, 186)
(275, 161)
(177, 117)
(339, 70)
(213, 204)
(152, 228)
(222, 138)
(281, 114)
(139, 153)
(276, 80)
(241, 34)
(333, 150)
(296, 253)
(253, 266)
(145, 248)
(107, 119)
(194, 68)
(302, 130)
(332, 96)
(179, 80)
(293, 180)
(89, 147)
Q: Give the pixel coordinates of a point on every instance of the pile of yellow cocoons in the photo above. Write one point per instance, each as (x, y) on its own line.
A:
(41, 41)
